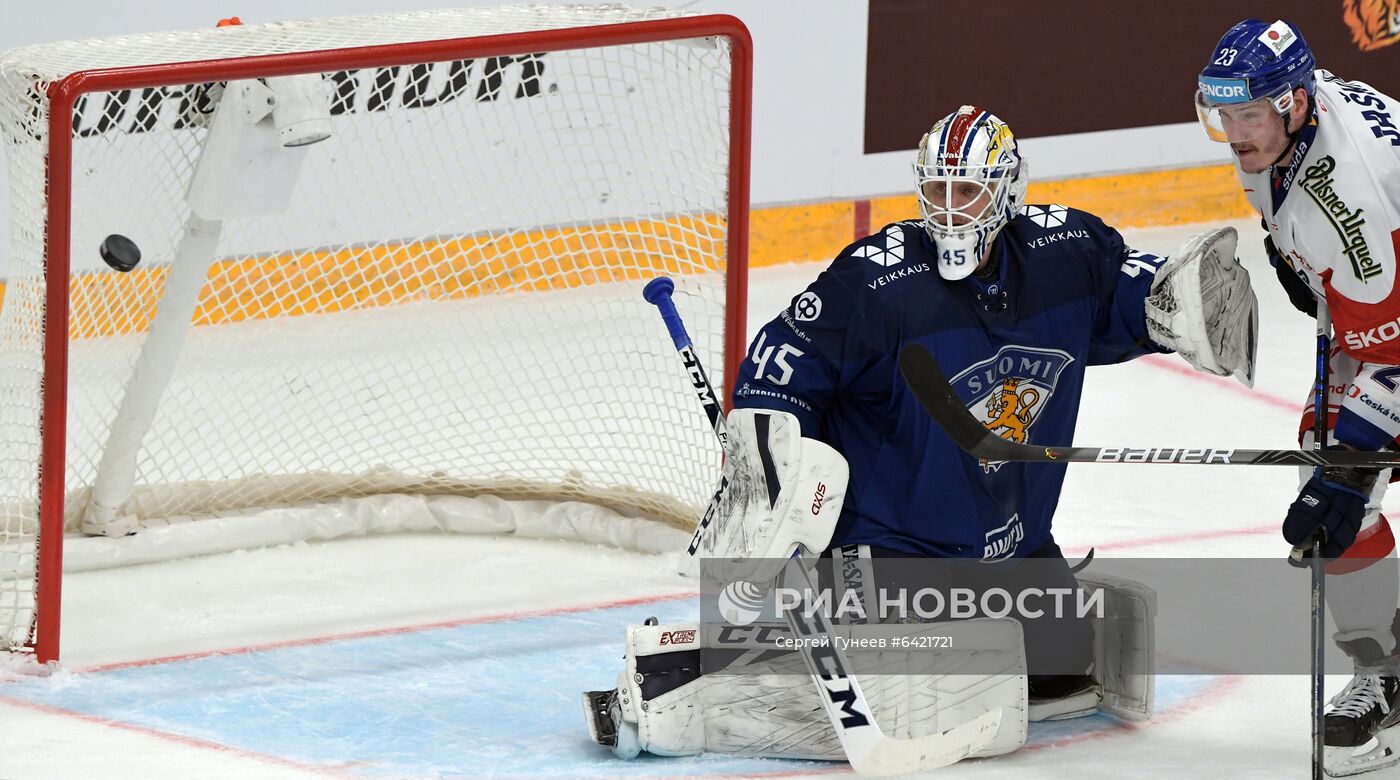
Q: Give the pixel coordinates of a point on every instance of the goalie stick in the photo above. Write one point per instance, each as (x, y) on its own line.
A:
(869, 750)
(658, 293)
(941, 401)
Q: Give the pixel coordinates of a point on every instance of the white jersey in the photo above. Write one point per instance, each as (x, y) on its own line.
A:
(1334, 213)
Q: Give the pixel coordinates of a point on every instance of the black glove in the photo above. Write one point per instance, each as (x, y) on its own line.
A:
(1334, 500)
(1299, 293)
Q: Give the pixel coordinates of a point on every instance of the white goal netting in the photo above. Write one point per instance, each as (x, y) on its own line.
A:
(442, 297)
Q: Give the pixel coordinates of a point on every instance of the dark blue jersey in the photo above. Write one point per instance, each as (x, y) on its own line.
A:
(1066, 294)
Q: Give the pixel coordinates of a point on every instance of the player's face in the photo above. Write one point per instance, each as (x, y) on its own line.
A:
(1257, 135)
(963, 201)
(1257, 131)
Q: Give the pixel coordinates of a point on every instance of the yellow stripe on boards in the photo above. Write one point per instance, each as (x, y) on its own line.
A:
(1180, 196)
(808, 231)
(326, 281)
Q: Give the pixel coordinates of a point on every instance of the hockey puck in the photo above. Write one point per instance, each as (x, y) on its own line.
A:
(120, 252)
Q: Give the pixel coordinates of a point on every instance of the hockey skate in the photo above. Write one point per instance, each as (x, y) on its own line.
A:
(1063, 697)
(603, 712)
(1361, 731)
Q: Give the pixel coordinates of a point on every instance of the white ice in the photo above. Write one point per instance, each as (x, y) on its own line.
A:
(1240, 727)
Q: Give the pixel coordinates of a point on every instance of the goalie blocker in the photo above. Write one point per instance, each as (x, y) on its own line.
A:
(666, 704)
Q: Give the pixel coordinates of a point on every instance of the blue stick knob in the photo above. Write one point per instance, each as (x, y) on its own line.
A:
(658, 291)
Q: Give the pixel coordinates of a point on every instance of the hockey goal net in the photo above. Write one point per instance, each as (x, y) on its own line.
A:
(379, 255)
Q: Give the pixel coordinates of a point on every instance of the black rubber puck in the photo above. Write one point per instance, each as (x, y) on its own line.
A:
(120, 252)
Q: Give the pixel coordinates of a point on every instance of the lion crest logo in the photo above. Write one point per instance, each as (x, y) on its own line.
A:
(1010, 390)
(1012, 410)
(1373, 23)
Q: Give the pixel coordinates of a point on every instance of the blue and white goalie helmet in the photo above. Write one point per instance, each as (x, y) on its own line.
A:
(971, 182)
(1250, 79)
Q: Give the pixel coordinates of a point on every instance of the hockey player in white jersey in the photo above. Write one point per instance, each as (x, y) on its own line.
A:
(1319, 158)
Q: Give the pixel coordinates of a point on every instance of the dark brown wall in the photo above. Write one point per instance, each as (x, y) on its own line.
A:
(1073, 66)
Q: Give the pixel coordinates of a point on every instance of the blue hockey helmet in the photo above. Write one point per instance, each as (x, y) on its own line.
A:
(1256, 65)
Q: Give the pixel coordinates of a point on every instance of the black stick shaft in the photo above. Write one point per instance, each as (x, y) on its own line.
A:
(942, 402)
(1319, 570)
(658, 293)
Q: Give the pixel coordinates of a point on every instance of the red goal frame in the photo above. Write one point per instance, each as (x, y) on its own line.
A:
(64, 95)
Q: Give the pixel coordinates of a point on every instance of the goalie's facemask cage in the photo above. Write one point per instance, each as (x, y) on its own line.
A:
(971, 182)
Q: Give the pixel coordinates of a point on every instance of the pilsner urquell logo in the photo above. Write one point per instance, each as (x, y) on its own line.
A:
(1318, 183)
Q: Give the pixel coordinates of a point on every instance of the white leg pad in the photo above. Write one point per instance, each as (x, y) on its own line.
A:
(780, 715)
(1125, 644)
(669, 723)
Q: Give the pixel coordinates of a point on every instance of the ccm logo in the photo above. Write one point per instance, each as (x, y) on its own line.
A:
(678, 637)
(818, 498)
(1373, 337)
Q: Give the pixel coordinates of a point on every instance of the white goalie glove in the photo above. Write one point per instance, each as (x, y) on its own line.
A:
(1202, 307)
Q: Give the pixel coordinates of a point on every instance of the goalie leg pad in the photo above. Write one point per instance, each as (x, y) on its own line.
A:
(1125, 653)
(659, 690)
(665, 707)
(779, 491)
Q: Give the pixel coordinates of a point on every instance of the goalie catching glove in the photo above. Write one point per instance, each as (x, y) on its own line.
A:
(1202, 307)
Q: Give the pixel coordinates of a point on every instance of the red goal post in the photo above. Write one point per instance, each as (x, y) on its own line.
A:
(589, 249)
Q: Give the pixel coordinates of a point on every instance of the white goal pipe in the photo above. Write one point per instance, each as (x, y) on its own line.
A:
(160, 352)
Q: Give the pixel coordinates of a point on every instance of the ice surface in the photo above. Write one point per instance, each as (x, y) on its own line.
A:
(434, 655)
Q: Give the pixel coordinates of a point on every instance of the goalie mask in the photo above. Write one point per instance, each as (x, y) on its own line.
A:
(971, 182)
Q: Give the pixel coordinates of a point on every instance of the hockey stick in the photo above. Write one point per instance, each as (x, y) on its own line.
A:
(1319, 566)
(658, 292)
(942, 403)
(868, 749)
